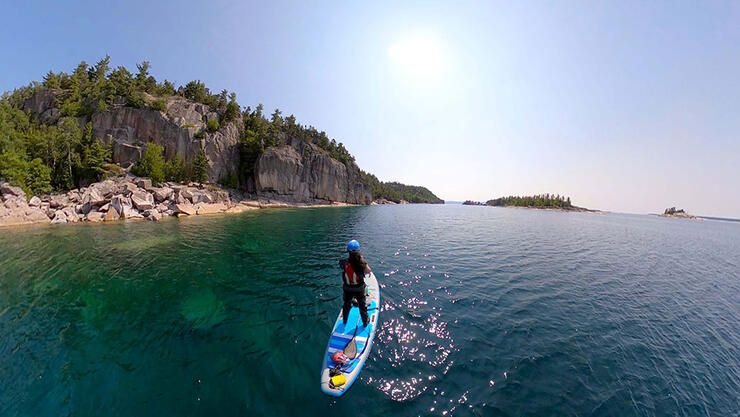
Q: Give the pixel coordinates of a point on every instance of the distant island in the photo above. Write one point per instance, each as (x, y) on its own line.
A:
(542, 201)
(677, 213)
(472, 203)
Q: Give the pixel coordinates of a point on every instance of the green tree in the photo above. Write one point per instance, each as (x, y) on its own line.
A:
(38, 177)
(13, 168)
(52, 80)
(165, 89)
(212, 125)
(94, 158)
(196, 91)
(250, 150)
(159, 105)
(200, 167)
(232, 109)
(175, 170)
(144, 81)
(151, 163)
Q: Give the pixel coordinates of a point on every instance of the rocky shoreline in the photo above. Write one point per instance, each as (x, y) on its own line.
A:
(680, 216)
(130, 198)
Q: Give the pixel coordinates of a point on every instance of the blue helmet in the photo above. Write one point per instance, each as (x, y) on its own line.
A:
(353, 245)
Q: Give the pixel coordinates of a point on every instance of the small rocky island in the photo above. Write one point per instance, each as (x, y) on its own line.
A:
(677, 214)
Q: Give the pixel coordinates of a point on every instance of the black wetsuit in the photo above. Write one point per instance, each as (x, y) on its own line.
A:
(355, 291)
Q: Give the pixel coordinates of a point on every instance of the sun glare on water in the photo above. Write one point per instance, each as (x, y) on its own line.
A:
(419, 58)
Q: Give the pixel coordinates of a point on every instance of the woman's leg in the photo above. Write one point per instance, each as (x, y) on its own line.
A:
(347, 304)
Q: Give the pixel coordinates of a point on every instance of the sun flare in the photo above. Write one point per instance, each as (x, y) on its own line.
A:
(418, 57)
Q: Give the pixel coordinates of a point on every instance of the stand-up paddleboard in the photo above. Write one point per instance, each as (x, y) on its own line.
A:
(342, 335)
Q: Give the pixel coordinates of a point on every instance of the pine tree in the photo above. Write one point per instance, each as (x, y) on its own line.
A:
(151, 163)
(200, 167)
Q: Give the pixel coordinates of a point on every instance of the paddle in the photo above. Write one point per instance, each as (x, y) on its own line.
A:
(350, 349)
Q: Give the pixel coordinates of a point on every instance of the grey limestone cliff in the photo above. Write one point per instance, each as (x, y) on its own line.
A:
(304, 172)
(295, 171)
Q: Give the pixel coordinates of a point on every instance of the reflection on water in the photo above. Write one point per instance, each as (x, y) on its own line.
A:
(485, 312)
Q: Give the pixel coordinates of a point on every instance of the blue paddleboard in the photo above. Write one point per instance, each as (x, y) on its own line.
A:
(342, 334)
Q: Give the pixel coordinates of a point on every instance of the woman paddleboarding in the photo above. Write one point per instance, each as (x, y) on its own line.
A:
(354, 330)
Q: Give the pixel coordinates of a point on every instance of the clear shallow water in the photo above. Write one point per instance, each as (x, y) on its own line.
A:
(486, 311)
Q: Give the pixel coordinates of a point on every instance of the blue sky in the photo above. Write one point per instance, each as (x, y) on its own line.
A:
(624, 106)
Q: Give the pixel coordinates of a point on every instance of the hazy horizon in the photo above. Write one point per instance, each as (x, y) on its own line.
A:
(627, 107)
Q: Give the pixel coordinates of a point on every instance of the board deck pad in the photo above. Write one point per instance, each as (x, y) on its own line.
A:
(342, 334)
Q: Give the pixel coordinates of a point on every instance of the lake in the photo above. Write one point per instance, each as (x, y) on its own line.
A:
(486, 312)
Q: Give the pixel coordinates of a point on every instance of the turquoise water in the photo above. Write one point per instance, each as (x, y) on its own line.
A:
(486, 311)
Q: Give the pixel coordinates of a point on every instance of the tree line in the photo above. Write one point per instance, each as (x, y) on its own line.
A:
(541, 200)
(396, 192)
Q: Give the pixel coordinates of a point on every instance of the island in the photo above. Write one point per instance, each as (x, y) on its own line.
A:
(677, 214)
(541, 201)
(77, 145)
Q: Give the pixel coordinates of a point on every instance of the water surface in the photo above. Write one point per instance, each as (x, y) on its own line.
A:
(486, 311)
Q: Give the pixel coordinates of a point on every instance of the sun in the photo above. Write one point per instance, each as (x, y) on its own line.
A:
(418, 57)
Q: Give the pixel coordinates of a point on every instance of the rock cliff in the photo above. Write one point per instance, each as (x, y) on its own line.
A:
(129, 129)
(297, 171)
(304, 172)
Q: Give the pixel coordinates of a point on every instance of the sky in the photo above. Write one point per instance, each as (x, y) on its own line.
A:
(623, 106)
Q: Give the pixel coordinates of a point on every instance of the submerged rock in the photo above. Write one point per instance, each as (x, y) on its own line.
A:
(203, 309)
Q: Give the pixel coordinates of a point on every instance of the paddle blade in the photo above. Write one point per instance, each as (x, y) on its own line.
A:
(350, 350)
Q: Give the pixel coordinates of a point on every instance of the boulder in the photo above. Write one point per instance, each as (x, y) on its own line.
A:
(111, 215)
(185, 208)
(104, 208)
(34, 202)
(118, 202)
(128, 188)
(95, 216)
(201, 197)
(153, 215)
(74, 196)
(93, 197)
(189, 193)
(144, 183)
(220, 196)
(59, 200)
(106, 188)
(15, 211)
(60, 216)
(71, 214)
(130, 213)
(210, 208)
(85, 208)
(142, 200)
(8, 190)
(161, 194)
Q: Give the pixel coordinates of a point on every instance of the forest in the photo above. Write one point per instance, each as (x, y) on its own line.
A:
(43, 158)
(396, 192)
(542, 200)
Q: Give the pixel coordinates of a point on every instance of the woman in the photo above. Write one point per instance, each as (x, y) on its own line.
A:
(354, 269)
